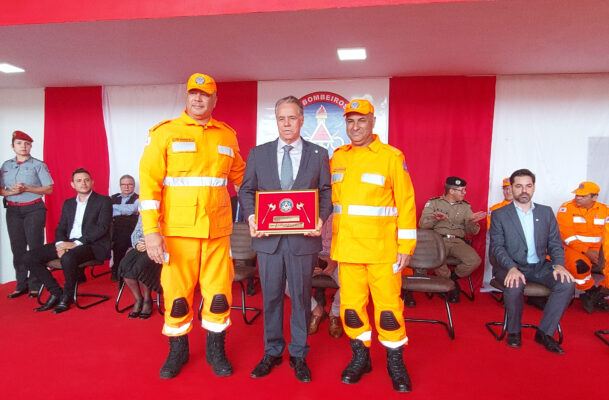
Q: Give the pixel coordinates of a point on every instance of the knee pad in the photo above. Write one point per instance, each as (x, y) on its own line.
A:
(219, 304)
(352, 320)
(179, 308)
(582, 266)
(388, 321)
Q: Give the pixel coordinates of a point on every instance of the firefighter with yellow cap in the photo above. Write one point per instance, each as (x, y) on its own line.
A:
(583, 223)
(374, 236)
(186, 213)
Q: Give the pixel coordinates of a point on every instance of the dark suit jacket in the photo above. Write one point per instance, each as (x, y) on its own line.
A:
(95, 224)
(508, 246)
(261, 174)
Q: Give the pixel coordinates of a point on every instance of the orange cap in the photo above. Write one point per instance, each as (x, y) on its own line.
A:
(585, 188)
(18, 135)
(359, 106)
(506, 182)
(202, 82)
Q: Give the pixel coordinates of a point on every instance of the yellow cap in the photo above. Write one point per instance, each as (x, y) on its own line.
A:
(359, 106)
(506, 182)
(201, 82)
(585, 188)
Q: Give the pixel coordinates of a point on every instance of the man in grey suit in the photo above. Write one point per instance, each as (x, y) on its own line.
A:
(283, 164)
(522, 235)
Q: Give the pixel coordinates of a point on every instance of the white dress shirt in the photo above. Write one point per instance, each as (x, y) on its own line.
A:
(76, 231)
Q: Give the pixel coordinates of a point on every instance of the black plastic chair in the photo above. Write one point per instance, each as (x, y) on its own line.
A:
(55, 265)
(430, 253)
(530, 289)
(121, 287)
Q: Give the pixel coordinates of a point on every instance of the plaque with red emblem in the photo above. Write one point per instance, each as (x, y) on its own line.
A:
(287, 211)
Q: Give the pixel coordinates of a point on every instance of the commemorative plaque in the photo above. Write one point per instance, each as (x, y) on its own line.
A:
(287, 211)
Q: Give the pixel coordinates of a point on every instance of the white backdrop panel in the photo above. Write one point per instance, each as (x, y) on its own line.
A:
(20, 109)
(375, 90)
(129, 113)
(558, 127)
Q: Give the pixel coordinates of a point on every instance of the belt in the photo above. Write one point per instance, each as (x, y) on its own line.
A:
(29, 203)
(452, 237)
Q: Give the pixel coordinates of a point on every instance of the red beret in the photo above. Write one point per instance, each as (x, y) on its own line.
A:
(18, 135)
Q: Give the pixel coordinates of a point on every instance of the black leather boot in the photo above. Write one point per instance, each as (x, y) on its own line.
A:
(215, 354)
(397, 370)
(454, 295)
(178, 356)
(360, 363)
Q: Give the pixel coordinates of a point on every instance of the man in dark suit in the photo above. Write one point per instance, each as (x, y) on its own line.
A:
(83, 234)
(522, 235)
(286, 163)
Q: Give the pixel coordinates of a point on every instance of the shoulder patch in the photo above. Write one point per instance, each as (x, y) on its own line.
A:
(562, 209)
(427, 204)
(159, 124)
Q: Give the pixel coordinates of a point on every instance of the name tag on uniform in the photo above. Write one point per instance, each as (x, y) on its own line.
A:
(178, 147)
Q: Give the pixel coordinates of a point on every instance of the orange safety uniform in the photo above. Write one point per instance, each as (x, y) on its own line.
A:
(184, 173)
(493, 208)
(374, 219)
(582, 230)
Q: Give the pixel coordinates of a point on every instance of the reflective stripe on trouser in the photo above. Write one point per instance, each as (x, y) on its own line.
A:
(193, 260)
(582, 281)
(356, 280)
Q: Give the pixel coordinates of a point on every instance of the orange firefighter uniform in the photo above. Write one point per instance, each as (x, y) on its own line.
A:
(374, 219)
(581, 230)
(184, 173)
(505, 183)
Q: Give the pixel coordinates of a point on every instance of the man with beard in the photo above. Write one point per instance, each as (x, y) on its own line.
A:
(523, 235)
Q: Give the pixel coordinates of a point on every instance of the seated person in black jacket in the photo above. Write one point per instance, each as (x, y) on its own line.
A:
(83, 234)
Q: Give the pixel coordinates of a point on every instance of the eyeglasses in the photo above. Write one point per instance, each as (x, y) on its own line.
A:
(127, 184)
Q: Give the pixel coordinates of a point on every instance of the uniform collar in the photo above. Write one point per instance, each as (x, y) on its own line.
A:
(186, 119)
(595, 205)
(17, 161)
(375, 146)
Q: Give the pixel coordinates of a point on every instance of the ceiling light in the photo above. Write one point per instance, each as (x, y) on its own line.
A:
(351, 54)
(10, 69)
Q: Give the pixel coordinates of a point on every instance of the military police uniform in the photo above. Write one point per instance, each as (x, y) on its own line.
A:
(25, 214)
(453, 230)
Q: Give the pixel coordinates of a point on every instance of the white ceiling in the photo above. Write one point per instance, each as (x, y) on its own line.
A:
(463, 38)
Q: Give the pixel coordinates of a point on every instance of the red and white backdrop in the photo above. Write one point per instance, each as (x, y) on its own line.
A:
(478, 128)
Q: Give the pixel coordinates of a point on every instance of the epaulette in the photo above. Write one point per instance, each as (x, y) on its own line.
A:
(464, 201)
(154, 128)
(435, 198)
(342, 148)
(227, 126)
(566, 203)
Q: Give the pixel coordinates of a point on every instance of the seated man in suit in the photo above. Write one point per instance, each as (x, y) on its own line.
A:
(124, 219)
(288, 163)
(523, 235)
(83, 234)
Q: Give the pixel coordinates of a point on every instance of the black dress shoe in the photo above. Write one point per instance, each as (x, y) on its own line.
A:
(64, 305)
(265, 366)
(548, 342)
(50, 304)
(33, 294)
(301, 370)
(514, 340)
(17, 293)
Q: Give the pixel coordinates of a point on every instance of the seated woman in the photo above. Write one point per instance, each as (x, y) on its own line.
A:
(139, 271)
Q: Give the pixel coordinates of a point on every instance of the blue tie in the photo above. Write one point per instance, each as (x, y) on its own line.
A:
(287, 177)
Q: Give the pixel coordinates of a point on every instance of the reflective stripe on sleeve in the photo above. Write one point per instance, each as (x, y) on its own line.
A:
(578, 220)
(226, 151)
(372, 211)
(407, 233)
(194, 181)
(589, 239)
(375, 179)
(214, 326)
(169, 330)
(337, 177)
(149, 205)
(599, 221)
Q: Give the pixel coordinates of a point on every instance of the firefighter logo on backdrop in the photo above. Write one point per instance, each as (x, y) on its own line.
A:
(324, 122)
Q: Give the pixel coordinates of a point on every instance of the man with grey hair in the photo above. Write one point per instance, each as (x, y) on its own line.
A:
(288, 163)
(124, 219)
